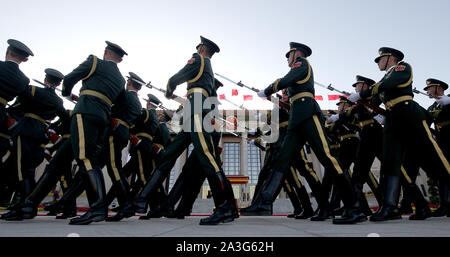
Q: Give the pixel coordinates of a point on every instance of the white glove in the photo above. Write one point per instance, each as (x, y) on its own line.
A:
(443, 100)
(333, 118)
(354, 97)
(380, 118)
(252, 141)
(261, 94)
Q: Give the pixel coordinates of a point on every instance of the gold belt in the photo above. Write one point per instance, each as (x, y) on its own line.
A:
(284, 124)
(34, 116)
(334, 146)
(198, 90)
(96, 94)
(66, 136)
(362, 124)
(143, 134)
(3, 101)
(397, 100)
(300, 95)
(123, 123)
(442, 124)
(348, 136)
(5, 136)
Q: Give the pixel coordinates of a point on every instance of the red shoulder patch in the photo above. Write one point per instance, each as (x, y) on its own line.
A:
(191, 61)
(297, 64)
(400, 68)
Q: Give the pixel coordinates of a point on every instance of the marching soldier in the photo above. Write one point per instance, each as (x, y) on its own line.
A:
(371, 139)
(189, 182)
(405, 131)
(58, 168)
(102, 85)
(123, 117)
(142, 136)
(29, 139)
(440, 111)
(12, 83)
(306, 123)
(364, 148)
(200, 78)
(296, 192)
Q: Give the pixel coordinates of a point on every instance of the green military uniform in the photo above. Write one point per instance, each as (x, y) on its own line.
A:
(123, 116)
(199, 76)
(190, 181)
(12, 83)
(142, 155)
(441, 119)
(305, 124)
(58, 168)
(405, 133)
(29, 139)
(346, 131)
(292, 186)
(141, 164)
(329, 209)
(102, 85)
(370, 145)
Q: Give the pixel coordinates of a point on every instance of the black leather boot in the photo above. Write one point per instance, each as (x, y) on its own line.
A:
(139, 204)
(222, 214)
(307, 211)
(335, 202)
(158, 213)
(69, 212)
(322, 192)
(405, 203)
(364, 205)
(95, 186)
(69, 197)
(422, 210)
(352, 212)
(294, 200)
(43, 187)
(122, 190)
(16, 213)
(229, 194)
(263, 206)
(389, 210)
(444, 201)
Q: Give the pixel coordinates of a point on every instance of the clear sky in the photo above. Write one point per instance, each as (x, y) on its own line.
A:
(160, 37)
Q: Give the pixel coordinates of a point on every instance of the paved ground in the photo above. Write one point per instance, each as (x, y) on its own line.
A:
(273, 226)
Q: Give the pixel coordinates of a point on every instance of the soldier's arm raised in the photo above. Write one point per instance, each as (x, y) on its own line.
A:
(84, 70)
(193, 67)
(299, 74)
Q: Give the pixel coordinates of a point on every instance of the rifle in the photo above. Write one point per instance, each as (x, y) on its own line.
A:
(174, 97)
(415, 91)
(182, 102)
(238, 106)
(282, 104)
(374, 108)
(74, 97)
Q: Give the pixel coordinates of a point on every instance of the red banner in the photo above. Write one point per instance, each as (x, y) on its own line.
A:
(234, 92)
(248, 97)
(333, 97)
(318, 97)
(222, 96)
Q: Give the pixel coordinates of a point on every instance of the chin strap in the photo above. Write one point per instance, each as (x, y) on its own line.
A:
(385, 66)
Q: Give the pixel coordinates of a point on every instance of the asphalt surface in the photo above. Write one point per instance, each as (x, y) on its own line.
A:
(245, 226)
